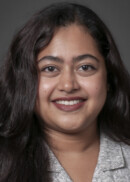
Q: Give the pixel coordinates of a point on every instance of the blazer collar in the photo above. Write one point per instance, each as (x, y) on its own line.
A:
(55, 165)
(110, 155)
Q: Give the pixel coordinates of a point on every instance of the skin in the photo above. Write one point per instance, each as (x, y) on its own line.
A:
(72, 135)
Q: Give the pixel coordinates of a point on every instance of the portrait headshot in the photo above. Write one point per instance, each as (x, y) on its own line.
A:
(65, 97)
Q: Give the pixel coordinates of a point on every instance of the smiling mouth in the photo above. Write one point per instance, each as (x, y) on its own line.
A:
(69, 104)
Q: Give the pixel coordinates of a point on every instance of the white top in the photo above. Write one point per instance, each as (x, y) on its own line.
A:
(113, 163)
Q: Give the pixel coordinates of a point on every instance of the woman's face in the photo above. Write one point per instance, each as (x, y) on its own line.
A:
(72, 81)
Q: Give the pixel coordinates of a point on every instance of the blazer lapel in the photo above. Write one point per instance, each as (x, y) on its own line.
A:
(110, 158)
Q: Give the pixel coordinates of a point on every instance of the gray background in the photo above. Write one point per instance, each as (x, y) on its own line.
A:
(115, 13)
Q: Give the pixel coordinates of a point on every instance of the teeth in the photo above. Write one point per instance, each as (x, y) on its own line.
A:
(72, 102)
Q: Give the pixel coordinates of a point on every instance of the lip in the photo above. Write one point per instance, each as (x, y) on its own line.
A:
(69, 108)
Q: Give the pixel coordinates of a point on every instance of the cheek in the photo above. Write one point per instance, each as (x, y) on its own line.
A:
(46, 87)
(95, 87)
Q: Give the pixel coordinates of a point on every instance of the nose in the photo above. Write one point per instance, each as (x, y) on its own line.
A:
(68, 82)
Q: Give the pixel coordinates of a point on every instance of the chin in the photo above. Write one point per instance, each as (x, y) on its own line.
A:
(73, 128)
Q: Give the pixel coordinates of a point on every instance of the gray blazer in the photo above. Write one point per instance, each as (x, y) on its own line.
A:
(113, 163)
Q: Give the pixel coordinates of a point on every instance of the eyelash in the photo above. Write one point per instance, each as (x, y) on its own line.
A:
(83, 70)
(46, 69)
(87, 67)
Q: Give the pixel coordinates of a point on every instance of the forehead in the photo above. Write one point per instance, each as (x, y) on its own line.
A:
(71, 41)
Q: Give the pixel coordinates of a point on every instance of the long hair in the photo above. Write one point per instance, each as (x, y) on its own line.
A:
(23, 155)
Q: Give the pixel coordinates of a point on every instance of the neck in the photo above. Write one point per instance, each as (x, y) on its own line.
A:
(79, 142)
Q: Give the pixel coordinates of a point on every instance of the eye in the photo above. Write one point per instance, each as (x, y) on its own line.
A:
(86, 68)
(49, 69)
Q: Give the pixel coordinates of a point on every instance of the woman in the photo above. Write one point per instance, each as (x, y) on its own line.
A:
(65, 101)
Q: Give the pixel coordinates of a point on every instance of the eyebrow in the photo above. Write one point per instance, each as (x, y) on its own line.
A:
(75, 59)
(51, 58)
(85, 56)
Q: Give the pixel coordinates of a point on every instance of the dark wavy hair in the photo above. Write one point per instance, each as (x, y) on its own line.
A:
(23, 155)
